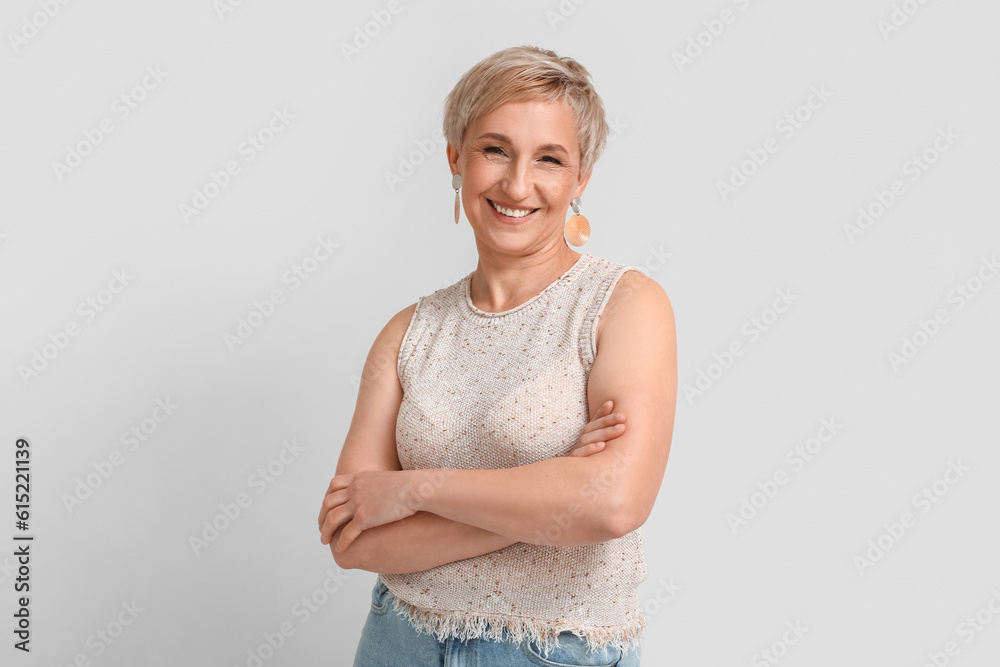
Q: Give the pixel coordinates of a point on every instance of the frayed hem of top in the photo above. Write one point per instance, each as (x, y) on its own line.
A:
(463, 626)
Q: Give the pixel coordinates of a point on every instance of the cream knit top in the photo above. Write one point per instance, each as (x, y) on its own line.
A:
(497, 390)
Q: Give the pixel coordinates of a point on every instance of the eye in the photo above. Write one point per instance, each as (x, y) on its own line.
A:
(495, 150)
(551, 159)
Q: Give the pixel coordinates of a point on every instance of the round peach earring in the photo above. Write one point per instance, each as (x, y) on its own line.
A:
(577, 229)
(456, 182)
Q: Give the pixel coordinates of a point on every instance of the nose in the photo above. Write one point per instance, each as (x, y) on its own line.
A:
(518, 184)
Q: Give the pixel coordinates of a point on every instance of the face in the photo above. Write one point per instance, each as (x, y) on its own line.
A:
(520, 168)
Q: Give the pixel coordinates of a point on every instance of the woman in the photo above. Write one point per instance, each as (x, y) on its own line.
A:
(484, 477)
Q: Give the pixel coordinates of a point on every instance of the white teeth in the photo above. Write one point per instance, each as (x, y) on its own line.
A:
(513, 213)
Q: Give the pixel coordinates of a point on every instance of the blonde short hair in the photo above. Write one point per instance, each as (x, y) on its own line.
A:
(528, 72)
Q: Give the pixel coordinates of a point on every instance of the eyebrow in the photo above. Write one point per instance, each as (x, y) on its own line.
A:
(506, 140)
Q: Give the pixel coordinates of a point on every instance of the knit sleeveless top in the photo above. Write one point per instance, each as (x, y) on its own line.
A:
(497, 390)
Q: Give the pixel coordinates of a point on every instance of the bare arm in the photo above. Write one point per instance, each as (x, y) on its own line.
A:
(423, 540)
(418, 542)
(582, 500)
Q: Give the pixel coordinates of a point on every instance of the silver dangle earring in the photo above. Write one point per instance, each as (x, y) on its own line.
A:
(577, 228)
(456, 182)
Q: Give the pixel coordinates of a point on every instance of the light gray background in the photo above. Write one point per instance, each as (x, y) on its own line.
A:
(714, 596)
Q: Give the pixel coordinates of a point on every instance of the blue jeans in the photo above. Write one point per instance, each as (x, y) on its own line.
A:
(388, 640)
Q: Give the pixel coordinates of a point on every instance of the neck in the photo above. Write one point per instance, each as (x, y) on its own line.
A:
(501, 281)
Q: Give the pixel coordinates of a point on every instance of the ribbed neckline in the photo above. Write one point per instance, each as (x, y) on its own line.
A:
(564, 278)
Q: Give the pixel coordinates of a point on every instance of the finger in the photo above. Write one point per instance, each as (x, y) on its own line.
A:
(587, 449)
(336, 517)
(603, 434)
(601, 422)
(582, 449)
(330, 501)
(326, 535)
(612, 419)
(339, 482)
(603, 409)
(611, 432)
(347, 537)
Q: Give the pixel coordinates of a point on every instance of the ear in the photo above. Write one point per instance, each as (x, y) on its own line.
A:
(452, 158)
(582, 185)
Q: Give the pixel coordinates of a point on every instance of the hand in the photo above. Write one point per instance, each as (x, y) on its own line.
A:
(366, 499)
(603, 427)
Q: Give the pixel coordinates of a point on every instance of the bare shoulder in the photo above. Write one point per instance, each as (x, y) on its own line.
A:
(638, 305)
(387, 343)
(400, 321)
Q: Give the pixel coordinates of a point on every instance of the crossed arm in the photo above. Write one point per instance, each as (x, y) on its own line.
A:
(379, 518)
(424, 540)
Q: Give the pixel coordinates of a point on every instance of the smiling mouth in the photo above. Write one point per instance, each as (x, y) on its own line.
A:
(511, 212)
